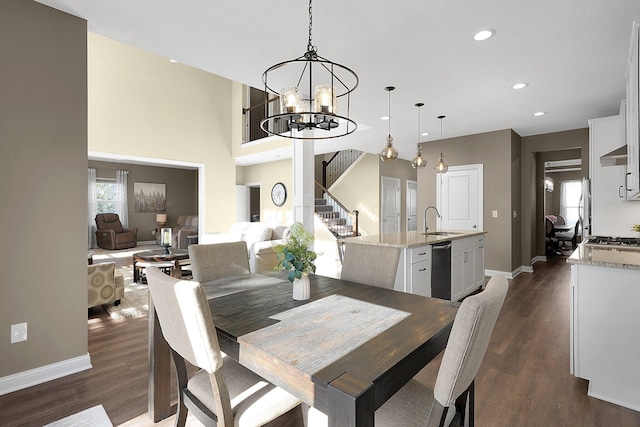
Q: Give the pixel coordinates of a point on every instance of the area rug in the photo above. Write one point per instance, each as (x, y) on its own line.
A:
(135, 301)
(92, 417)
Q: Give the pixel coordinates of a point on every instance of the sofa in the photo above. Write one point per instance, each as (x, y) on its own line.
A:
(260, 238)
(187, 225)
(104, 286)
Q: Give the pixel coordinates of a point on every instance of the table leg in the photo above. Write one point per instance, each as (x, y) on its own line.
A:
(159, 370)
(177, 270)
(351, 402)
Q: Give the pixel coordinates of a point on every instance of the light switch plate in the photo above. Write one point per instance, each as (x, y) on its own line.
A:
(494, 214)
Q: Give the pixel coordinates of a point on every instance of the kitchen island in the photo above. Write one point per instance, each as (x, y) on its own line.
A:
(605, 321)
(414, 273)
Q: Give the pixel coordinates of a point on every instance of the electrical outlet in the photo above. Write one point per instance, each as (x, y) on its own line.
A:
(18, 332)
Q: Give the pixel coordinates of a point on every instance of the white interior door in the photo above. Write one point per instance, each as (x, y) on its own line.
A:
(390, 205)
(460, 196)
(242, 203)
(412, 205)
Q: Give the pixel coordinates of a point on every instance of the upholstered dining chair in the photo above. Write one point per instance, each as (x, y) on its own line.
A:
(218, 260)
(222, 392)
(370, 264)
(452, 398)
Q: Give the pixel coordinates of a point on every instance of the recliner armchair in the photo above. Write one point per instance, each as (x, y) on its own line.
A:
(111, 235)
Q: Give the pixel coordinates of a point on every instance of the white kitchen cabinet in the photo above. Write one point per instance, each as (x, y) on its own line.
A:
(604, 332)
(419, 271)
(467, 266)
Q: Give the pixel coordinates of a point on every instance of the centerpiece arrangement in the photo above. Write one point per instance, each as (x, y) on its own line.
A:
(295, 256)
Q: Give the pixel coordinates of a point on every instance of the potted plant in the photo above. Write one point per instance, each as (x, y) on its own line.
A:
(294, 256)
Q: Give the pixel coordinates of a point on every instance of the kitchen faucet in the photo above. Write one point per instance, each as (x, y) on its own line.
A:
(425, 216)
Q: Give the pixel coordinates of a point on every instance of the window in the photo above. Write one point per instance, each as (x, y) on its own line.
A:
(106, 196)
(569, 200)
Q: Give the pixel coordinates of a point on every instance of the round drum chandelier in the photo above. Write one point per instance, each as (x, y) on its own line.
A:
(308, 88)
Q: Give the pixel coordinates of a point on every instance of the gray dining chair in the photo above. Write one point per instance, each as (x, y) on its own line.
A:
(222, 392)
(370, 264)
(452, 398)
(218, 260)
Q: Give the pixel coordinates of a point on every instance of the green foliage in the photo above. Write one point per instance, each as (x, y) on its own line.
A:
(635, 227)
(294, 255)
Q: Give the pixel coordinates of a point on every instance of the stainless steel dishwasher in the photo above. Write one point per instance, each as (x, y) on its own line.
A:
(441, 270)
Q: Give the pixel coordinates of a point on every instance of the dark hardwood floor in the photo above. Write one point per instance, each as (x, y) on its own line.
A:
(524, 379)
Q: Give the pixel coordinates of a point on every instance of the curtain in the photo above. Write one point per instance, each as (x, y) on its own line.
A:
(121, 197)
(93, 208)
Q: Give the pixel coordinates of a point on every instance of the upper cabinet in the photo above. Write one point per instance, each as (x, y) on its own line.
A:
(632, 123)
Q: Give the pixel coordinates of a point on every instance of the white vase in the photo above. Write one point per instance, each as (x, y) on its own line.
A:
(301, 288)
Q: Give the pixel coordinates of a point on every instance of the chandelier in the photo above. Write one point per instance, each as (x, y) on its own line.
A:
(308, 88)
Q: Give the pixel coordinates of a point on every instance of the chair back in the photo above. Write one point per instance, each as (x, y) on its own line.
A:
(185, 319)
(109, 221)
(370, 264)
(468, 341)
(215, 261)
(560, 220)
(548, 227)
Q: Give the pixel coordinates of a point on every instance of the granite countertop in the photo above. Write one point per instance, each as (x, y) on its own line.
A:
(412, 239)
(606, 256)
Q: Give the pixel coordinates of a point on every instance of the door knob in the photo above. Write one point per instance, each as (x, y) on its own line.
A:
(475, 226)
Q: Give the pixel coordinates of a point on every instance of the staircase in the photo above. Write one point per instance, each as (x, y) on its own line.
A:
(336, 220)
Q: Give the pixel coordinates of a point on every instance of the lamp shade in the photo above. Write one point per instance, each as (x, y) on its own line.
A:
(161, 218)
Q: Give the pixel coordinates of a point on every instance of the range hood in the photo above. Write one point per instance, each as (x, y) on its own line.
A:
(617, 157)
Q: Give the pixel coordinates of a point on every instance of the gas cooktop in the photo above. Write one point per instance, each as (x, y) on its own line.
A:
(613, 241)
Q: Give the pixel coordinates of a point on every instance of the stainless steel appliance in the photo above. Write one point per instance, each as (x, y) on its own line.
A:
(441, 270)
(584, 208)
(612, 241)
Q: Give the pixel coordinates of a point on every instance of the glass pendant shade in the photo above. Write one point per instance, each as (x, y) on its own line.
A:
(441, 166)
(325, 100)
(418, 161)
(291, 100)
(389, 153)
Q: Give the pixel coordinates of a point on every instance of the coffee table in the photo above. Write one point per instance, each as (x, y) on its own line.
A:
(158, 256)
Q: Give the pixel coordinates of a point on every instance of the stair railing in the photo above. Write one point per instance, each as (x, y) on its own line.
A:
(350, 216)
(336, 165)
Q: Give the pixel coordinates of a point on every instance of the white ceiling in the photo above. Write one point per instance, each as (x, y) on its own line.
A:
(573, 54)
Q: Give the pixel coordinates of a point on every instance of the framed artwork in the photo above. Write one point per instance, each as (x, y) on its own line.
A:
(149, 197)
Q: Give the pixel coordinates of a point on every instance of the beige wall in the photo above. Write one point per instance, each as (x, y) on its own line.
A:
(361, 192)
(141, 104)
(267, 174)
(495, 150)
(516, 201)
(402, 170)
(43, 151)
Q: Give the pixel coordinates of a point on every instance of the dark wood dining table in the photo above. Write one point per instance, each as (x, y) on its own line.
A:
(345, 351)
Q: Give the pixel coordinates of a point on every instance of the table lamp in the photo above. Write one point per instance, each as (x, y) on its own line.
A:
(161, 219)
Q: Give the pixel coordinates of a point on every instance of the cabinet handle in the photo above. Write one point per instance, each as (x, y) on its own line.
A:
(422, 253)
(423, 269)
(620, 195)
(481, 247)
(625, 181)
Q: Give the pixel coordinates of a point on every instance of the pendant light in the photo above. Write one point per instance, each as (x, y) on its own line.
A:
(389, 153)
(441, 166)
(418, 161)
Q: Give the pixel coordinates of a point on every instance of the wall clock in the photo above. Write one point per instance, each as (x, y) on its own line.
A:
(279, 194)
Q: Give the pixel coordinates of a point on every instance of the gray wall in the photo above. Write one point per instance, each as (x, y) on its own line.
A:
(181, 191)
(532, 171)
(497, 151)
(43, 152)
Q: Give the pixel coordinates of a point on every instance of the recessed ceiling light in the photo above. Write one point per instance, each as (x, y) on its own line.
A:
(519, 86)
(384, 118)
(484, 35)
(425, 133)
(173, 60)
(540, 113)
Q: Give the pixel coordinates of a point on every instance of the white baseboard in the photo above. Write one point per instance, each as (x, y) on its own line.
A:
(43, 374)
(148, 242)
(508, 275)
(539, 258)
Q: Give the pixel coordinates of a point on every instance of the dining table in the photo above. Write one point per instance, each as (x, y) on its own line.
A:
(345, 351)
